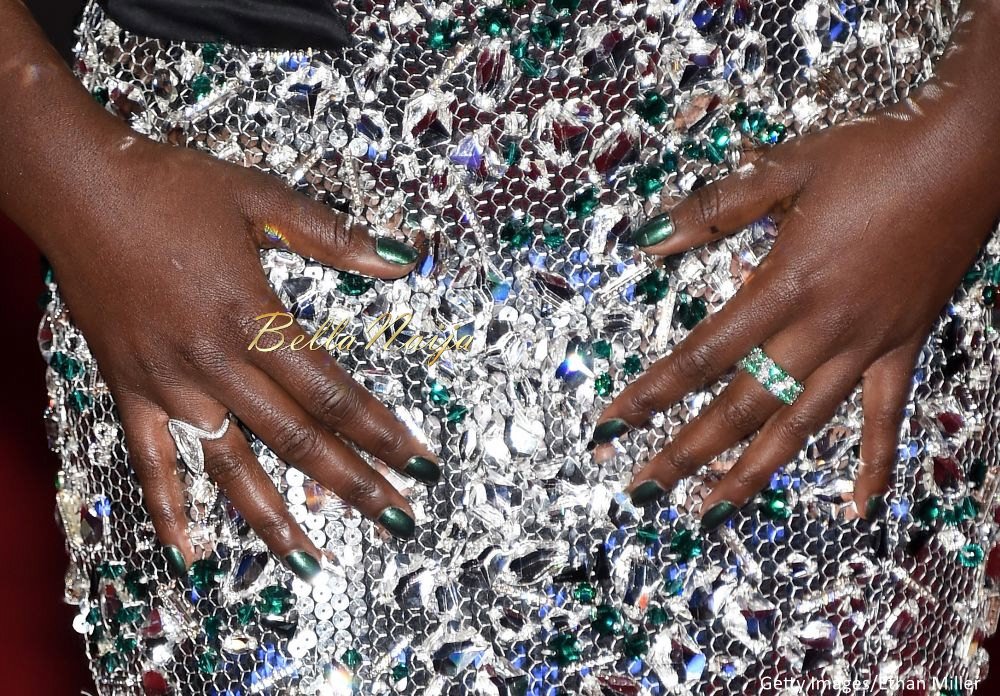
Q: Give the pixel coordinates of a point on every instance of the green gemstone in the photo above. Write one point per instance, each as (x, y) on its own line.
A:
(512, 153)
(125, 644)
(353, 284)
(669, 161)
(992, 274)
(602, 349)
(774, 133)
(351, 658)
(690, 311)
(204, 575)
(274, 599)
(515, 3)
(137, 585)
(989, 295)
(209, 52)
(977, 473)
(584, 593)
(603, 384)
(648, 534)
(928, 510)
(399, 671)
(653, 287)
(208, 661)
(720, 136)
(971, 555)
(456, 413)
(201, 85)
(693, 150)
(652, 109)
(565, 649)
(65, 366)
(636, 645)
(686, 544)
(101, 96)
(547, 34)
(494, 21)
(442, 34)
(109, 570)
(632, 365)
(657, 616)
(714, 153)
(130, 615)
(553, 235)
(673, 587)
(212, 624)
(607, 620)
(516, 232)
(565, 5)
(584, 203)
(43, 299)
(245, 613)
(110, 662)
(439, 393)
(775, 505)
(94, 616)
(647, 180)
(755, 123)
(80, 401)
(529, 65)
(740, 111)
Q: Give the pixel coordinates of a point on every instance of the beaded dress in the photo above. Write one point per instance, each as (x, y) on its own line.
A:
(524, 141)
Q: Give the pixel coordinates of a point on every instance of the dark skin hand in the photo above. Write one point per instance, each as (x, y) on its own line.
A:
(878, 220)
(137, 240)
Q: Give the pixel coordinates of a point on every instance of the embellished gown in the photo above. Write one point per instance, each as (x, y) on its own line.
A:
(525, 141)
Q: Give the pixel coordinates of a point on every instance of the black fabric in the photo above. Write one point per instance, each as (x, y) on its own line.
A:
(282, 24)
(58, 18)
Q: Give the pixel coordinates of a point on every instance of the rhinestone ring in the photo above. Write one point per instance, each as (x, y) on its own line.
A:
(188, 440)
(770, 374)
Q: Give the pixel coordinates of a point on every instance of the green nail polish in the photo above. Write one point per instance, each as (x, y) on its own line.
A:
(423, 469)
(303, 565)
(175, 559)
(717, 515)
(609, 430)
(646, 492)
(875, 506)
(654, 231)
(398, 523)
(395, 251)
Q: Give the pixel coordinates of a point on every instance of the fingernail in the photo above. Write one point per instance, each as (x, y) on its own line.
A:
(303, 565)
(608, 431)
(717, 515)
(646, 492)
(397, 522)
(654, 231)
(395, 251)
(175, 559)
(423, 469)
(874, 507)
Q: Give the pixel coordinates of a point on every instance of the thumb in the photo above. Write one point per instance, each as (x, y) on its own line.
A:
(286, 219)
(722, 207)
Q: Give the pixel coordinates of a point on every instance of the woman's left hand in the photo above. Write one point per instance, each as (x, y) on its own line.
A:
(878, 220)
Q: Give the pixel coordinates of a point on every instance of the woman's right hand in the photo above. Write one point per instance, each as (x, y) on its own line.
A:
(164, 279)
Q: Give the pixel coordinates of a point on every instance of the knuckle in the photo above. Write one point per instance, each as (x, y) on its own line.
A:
(358, 489)
(165, 518)
(336, 402)
(694, 364)
(681, 458)
(741, 414)
(707, 204)
(225, 467)
(274, 526)
(341, 232)
(298, 443)
(795, 426)
(204, 356)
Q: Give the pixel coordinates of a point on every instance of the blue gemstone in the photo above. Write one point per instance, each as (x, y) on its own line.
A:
(103, 507)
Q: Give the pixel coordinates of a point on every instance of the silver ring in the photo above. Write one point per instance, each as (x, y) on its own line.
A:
(189, 438)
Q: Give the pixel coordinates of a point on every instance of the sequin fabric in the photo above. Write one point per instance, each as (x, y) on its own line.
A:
(524, 141)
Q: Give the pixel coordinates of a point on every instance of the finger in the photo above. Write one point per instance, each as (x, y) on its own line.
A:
(277, 419)
(283, 218)
(721, 207)
(713, 347)
(743, 407)
(231, 465)
(885, 392)
(323, 388)
(153, 457)
(781, 439)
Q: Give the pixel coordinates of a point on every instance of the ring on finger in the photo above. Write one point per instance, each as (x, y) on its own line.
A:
(772, 376)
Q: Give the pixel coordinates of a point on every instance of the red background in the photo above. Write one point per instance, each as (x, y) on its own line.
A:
(40, 653)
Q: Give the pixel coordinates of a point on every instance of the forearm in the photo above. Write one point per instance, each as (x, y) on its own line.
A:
(57, 140)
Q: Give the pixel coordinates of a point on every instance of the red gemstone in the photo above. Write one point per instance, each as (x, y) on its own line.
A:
(154, 625)
(946, 472)
(153, 684)
(619, 685)
(951, 422)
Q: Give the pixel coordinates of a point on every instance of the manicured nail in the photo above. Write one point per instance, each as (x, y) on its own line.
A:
(423, 469)
(654, 231)
(303, 565)
(175, 559)
(717, 515)
(874, 507)
(646, 492)
(397, 522)
(395, 251)
(608, 430)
